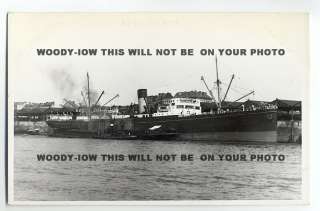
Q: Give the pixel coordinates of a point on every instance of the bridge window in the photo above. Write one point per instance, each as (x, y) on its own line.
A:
(180, 106)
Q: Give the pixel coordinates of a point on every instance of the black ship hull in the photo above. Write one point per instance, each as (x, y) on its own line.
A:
(237, 126)
(259, 126)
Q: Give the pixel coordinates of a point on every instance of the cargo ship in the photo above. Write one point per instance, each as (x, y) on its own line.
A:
(185, 119)
(269, 125)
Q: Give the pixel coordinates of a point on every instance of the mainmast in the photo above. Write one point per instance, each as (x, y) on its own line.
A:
(89, 102)
(218, 84)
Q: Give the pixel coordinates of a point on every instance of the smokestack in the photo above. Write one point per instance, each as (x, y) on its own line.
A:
(142, 95)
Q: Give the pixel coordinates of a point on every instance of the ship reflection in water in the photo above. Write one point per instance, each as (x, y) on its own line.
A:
(153, 180)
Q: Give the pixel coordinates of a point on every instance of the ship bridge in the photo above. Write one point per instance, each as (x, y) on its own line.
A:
(179, 106)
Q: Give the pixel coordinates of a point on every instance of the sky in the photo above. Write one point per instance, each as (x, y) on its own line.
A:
(36, 78)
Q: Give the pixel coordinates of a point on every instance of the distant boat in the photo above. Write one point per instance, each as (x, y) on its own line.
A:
(33, 132)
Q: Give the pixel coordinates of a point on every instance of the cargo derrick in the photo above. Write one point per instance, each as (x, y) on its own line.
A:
(85, 122)
(219, 102)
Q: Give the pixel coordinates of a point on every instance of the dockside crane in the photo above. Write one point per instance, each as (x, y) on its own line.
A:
(147, 105)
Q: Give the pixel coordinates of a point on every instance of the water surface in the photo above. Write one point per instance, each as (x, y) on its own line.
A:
(152, 180)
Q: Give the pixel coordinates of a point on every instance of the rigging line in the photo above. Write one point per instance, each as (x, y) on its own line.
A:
(236, 91)
(239, 87)
(241, 91)
(170, 84)
(224, 79)
(235, 86)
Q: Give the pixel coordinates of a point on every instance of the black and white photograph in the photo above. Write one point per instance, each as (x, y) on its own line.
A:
(157, 108)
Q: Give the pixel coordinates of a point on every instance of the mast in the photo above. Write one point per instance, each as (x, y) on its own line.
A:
(89, 103)
(218, 84)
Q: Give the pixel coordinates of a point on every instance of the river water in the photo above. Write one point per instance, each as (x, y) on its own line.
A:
(79, 179)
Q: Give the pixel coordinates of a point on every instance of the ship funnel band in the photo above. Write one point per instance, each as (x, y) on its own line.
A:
(142, 93)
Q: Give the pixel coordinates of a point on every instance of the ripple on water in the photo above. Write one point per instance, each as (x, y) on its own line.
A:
(153, 180)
